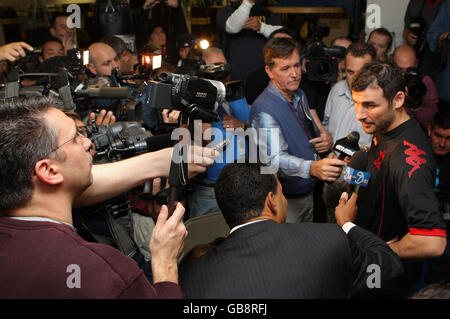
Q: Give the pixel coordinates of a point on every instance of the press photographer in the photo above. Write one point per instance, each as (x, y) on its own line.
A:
(422, 98)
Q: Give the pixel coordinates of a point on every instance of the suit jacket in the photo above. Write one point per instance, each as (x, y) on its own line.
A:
(270, 260)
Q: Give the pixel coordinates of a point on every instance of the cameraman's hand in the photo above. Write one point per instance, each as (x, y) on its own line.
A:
(103, 118)
(167, 243)
(410, 37)
(231, 122)
(323, 143)
(347, 209)
(252, 23)
(170, 116)
(14, 51)
(327, 169)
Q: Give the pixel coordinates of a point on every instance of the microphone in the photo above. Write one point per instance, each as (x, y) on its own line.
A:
(354, 172)
(105, 92)
(159, 142)
(348, 145)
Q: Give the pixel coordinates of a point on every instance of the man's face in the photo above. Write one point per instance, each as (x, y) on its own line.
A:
(286, 74)
(158, 36)
(51, 49)
(440, 140)
(373, 110)
(77, 161)
(60, 30)
(353, 65)
(380, 42)
(105, 61)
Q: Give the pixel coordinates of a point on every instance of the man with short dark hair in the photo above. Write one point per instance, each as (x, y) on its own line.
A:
(381, 39)
(127, 62)
(50, 48)
(264, 257)
(282, 112)
(46, 169)
(60, 30)
(398, 204)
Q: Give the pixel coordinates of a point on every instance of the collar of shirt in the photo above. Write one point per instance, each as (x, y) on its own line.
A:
(344, 90)
(295, 100)
(42, 219)
(246, 224)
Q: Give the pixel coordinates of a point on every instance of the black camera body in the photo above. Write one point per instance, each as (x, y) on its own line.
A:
(322, 62)
(121, 140)
(416, 88)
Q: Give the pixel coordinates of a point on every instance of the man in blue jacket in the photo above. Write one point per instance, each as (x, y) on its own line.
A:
(232, 115)
(282, 113)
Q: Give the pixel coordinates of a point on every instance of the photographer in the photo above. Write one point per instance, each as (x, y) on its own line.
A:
(47, 170)
(419, 16)
(422, 99)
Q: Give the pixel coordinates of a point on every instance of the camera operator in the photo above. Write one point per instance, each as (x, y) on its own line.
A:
(419, 16)
(422, 98)
(232, 115)
(50, 48)
(438, 37)
(127, 62)
(47, 168)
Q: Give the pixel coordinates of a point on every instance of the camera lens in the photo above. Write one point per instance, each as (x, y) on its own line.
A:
(322, 68)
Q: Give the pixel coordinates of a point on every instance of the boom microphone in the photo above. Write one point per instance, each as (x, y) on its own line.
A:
(348, 145)
(354, 172)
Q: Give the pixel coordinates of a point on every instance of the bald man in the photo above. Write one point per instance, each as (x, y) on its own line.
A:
(102, 59)
(422, 109)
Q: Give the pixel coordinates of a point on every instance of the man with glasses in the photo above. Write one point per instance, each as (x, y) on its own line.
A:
(46, 170)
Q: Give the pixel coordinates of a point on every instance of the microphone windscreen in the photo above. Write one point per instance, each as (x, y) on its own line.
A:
(159, 142)
(114, 93)
(353, 137)
(359, 161)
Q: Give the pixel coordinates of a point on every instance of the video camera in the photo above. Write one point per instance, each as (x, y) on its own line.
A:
(118, 141)
(196, 97)
(416, 88)
(322, 62)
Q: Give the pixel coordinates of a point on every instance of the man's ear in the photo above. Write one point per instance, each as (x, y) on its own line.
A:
(429, 130)
(48, 172)
(92, 68)
(269, 72)
(271, 203)
(399, 99)
(41, 59)
(52, 31)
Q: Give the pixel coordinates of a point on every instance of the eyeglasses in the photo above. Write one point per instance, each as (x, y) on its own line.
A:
(81, 131)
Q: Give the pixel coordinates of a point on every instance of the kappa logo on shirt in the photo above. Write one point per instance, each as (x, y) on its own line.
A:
(379, 160)
(414, 159)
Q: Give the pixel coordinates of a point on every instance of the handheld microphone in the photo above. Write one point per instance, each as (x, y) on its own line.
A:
(105, 92)
(348, 145)
(354, 172)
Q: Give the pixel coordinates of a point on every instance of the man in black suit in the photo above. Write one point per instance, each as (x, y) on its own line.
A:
(263, 257)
